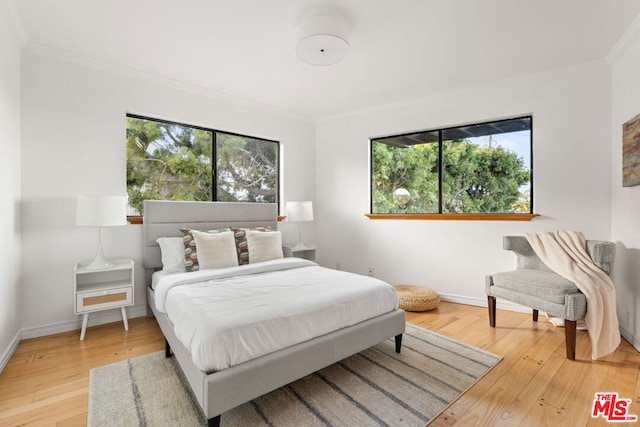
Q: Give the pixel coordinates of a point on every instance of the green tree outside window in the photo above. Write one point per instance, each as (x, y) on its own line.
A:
(486, 171)
(171, 161)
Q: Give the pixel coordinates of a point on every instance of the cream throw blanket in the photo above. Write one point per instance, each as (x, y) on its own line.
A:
(565, 253)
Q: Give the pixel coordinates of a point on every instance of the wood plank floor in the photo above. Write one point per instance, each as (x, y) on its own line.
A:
(46, 381)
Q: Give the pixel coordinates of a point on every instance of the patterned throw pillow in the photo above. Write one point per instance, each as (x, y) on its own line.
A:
(241, 243)
(190, 250)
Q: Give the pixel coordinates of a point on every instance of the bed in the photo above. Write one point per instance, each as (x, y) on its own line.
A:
(219, 388)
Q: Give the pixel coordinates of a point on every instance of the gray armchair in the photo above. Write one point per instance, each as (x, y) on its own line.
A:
(535, 285)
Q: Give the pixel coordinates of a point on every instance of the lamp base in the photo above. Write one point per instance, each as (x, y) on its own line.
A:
(100, 263)
(300, 246)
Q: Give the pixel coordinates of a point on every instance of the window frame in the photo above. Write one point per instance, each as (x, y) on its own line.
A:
(511, 216)
(137, 219)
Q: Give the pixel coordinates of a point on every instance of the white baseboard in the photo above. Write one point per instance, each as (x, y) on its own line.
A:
(110, 316)
(482, 302)
(6, 355)
(633, 340)
(97, 318)
(506, 305)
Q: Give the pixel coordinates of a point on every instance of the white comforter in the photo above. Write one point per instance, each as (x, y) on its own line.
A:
(232, 315)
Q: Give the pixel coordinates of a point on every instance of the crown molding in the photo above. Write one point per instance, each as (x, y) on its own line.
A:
(127, 72)
(628, 37)
(12, 17)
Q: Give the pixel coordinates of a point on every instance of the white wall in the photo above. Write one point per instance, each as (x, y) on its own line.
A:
(10, 191)
(625, 224)
(571, 131)
(73, 131)
(73, 143)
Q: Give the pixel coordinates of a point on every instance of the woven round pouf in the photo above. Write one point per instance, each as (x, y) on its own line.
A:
(416, 298)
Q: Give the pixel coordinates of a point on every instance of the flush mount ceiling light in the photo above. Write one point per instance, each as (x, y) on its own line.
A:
(322, 40)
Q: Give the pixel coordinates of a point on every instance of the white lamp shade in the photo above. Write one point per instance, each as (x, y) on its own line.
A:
(300, 211)
(101, 211)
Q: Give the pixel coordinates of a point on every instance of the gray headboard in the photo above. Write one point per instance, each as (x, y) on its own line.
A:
(163, 218)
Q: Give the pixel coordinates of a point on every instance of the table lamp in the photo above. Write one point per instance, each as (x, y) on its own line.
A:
(299, 212)
(101, 211)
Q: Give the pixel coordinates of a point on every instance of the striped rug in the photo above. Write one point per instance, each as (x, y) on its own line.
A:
(376, 387)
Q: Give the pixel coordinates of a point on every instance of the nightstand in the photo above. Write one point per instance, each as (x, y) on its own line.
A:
(103, 289)
(306, 252)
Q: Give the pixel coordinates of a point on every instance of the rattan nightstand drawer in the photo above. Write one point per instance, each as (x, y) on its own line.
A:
(104, 299)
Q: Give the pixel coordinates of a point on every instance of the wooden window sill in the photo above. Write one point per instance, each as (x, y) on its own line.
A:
(456, 217)
(138, 219)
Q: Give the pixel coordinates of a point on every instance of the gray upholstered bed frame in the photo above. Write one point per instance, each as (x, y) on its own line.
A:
(221, 391)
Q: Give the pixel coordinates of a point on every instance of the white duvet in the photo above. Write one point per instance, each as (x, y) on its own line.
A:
(232, 315)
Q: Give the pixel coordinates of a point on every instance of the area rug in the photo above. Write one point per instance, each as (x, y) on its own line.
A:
(376, 387)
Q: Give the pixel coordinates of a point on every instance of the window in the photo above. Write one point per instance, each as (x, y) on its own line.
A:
(474, 169)
(173, 161)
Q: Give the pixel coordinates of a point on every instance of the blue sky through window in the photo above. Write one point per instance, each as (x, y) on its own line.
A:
(515, 142)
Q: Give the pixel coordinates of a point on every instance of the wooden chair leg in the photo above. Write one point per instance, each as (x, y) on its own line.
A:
(492, 310)
(570, 337)
(535, 315)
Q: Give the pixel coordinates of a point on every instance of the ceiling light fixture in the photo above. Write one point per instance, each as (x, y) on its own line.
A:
(322, 40)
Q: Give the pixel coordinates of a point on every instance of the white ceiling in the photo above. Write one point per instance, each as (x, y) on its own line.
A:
(400, 49)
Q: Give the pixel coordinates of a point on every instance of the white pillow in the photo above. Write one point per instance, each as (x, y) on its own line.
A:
(264, 245)
(172, 251)
(216, 250)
